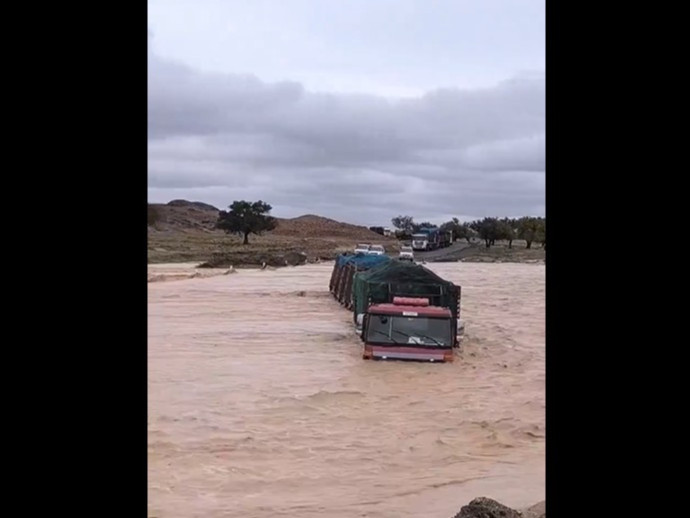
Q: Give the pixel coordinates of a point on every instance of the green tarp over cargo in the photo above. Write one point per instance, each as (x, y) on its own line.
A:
(403, 279)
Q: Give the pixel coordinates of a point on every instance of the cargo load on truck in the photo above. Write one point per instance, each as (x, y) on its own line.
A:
(403, 279)
(344, 270)
(445, 238)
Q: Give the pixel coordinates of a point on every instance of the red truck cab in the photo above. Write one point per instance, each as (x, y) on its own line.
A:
(409, 329)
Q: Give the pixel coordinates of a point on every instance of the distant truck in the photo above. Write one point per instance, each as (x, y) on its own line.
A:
(426, 238)
(445, 238)
(431, 238)
(401, 310)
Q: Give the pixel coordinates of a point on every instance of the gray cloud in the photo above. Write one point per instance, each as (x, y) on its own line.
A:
(357, 158)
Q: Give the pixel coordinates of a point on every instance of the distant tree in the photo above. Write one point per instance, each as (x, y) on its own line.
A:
(460, 230)
(246, 218)
(465, 232)
(508, 230)
(153, 215)
(424, 224)
(531, 229)
(449, 226)
(404, 223)
(542, 235)
(488, 229)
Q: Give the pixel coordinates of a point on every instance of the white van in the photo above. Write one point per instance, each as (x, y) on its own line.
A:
(406, 253)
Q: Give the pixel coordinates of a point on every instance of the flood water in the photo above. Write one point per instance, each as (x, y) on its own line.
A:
(260, 404)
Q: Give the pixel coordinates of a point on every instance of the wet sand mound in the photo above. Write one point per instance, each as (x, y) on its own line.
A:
(182, 271)
(536, 511)
(255, 258)
(486, 508)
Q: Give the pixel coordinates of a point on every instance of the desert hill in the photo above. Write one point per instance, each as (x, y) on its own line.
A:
(191, 216)
(184, 231)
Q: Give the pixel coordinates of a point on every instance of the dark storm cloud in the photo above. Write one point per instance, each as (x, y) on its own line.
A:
(358, 158)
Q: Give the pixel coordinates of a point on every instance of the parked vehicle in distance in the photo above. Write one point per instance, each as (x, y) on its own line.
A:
(406, 253)
(426, 238)
(362, 248)
(376, 250)
(432, 238)
(445, 238)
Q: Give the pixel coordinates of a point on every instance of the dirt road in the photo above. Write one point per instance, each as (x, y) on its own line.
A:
(451, 253)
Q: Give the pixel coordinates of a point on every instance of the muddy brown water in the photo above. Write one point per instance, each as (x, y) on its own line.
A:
(260, 405)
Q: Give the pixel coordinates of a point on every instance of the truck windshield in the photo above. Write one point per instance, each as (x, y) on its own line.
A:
(395, 329)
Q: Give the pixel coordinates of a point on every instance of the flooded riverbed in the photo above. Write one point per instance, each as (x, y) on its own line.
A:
(260, 403)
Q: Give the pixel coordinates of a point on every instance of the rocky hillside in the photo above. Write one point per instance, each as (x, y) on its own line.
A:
(317, 226)
(184, 216)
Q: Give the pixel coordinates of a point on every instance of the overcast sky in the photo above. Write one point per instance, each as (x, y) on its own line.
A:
(357, 110)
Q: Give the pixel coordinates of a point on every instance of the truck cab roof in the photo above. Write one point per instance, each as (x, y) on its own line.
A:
(397, 309)
(409, 307)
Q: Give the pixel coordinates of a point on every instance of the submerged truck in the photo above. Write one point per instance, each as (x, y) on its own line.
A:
(345, 267)
(409, 328)
(401, 310)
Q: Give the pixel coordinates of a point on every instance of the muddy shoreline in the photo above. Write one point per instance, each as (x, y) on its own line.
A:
(214, 251)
